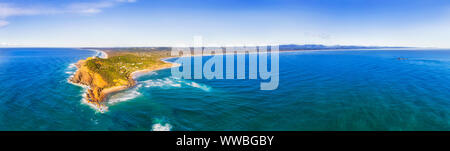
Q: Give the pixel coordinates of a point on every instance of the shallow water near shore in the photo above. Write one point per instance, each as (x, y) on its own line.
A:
(318, 90)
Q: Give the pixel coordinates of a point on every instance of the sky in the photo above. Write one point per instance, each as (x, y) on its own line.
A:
(140, 23)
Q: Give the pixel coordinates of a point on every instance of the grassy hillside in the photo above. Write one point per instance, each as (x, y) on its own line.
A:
(116, 69)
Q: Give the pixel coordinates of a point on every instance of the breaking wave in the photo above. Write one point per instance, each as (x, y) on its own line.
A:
(100, 54)
(71, 69)
(102, 109)
(171, 83)
(200, 86)
(124, 96)
(164, 83)
(72, 66)
(160, 127)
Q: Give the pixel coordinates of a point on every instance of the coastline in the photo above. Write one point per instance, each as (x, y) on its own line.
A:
(134, 75)
(87, 87)
(104, 54)
(310, 50)
(101, 107)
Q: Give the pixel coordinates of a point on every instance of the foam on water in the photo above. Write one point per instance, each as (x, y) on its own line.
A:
(137, 75)
(71, 66)
(174, 83)
(160, 127)
(165, 83)
(200, 86)
(71, 69)
(102, 109)
(98, 109)
(124, 96)
(100, 54)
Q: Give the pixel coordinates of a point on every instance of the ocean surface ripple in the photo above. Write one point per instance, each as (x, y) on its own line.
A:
(318, 90)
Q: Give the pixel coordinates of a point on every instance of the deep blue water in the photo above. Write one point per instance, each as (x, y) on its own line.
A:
(318, 90)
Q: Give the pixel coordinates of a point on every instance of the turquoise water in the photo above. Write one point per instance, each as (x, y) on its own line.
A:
(319, 90)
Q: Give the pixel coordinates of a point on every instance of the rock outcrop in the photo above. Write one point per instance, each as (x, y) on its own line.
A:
(96, 84)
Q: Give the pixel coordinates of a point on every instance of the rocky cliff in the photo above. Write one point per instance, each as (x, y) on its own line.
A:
(103, 76)
(97, 91)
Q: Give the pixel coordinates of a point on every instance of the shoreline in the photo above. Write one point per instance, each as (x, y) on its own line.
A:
(134, 75)
(317, 50)
(104, 56)
(284, 51)
(102, 107)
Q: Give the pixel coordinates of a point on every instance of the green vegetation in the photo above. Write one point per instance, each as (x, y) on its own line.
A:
(116, 69)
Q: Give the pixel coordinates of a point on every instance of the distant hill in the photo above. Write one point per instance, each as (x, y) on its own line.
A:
(324, 47)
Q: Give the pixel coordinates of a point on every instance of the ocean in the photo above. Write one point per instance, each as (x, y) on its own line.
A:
(319, 90)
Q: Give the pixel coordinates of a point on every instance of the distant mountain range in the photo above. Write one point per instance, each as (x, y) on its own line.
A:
(324, 47)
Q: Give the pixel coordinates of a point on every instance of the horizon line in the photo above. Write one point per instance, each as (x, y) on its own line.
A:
(162, 46)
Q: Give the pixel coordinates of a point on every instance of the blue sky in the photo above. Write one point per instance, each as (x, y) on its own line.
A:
(109, 23)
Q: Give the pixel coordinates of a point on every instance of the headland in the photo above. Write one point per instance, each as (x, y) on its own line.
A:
(115, 72)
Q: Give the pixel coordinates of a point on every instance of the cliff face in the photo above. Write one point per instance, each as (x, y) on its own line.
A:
(105, 76)
(84, 76)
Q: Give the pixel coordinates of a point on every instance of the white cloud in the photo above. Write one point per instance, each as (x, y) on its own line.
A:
(89, 7)
(10, 10)
(3, 23)
(95, 7)
(127, 1)
(7, 10)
